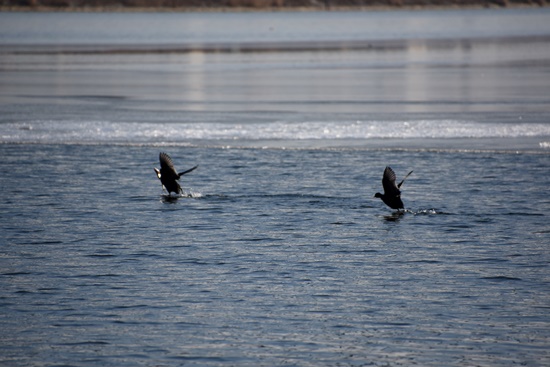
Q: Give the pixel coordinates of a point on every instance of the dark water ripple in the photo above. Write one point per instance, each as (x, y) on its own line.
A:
(269, 264)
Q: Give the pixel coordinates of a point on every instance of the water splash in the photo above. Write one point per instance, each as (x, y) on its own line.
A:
(427, 212)
(193, 194)
(170, 198)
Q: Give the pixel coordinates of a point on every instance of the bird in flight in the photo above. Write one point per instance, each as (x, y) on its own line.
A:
(392, 195)
(168, 175)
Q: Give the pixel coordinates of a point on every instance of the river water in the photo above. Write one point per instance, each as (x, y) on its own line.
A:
(276, 254)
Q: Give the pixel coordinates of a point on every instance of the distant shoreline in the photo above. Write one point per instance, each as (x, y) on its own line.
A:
(251, 6)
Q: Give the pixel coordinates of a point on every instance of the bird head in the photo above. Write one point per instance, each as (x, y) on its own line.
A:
(378, 195)
(157, 172)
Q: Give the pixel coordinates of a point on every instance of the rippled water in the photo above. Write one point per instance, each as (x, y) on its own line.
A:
(277, 254)
(276, 257)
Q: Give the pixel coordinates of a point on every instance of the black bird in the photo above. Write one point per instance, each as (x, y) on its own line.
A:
(392, 195)
(168, 175)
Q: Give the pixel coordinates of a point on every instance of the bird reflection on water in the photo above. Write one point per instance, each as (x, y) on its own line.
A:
(171, 199)
(394, 217)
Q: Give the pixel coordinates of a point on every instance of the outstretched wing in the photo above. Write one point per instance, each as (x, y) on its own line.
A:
(189, 170)
(388, 182)
(166, 165)
(403, 180)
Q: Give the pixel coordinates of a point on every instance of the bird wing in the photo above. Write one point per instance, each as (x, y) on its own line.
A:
(189, 170)
(403, 180)
(388, 182)
(166, 164)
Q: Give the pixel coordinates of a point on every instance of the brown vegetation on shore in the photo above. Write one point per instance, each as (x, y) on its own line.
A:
(183, 5)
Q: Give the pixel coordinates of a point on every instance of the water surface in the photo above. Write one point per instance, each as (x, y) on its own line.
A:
(277, 253)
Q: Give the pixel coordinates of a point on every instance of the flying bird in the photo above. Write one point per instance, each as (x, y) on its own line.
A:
(168, 175)
(392, 195)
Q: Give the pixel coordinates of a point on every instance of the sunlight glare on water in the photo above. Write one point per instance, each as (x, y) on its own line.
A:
(208, 133)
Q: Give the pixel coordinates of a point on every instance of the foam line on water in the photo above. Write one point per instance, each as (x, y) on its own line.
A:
(44, 131)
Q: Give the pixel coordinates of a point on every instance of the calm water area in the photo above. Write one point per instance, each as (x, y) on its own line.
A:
(276, 254)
